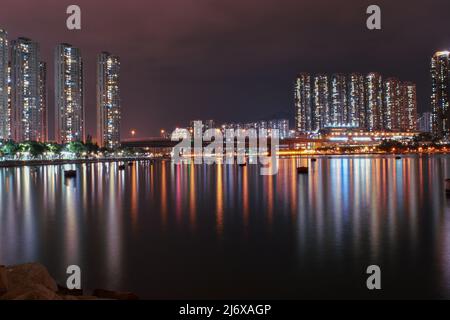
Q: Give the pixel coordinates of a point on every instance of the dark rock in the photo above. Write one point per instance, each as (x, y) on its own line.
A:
(115, 295)
(30, 292)
(3, 281)
(63, 291)
(32, 281)
(25, 275)
(69, 297)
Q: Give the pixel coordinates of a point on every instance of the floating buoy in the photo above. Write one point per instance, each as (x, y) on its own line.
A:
(121, 167)
(313, 160)
(398, 157)
(130, 164)
(302, 170)
(447, 187)
(70, 173)
(243, 164)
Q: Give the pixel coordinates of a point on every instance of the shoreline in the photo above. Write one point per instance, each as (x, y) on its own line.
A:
(24, 163)
(32, 163)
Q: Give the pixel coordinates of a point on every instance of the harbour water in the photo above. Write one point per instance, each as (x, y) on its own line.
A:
(223, 231)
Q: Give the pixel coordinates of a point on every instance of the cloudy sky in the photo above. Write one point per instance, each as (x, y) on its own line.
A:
(231, 60)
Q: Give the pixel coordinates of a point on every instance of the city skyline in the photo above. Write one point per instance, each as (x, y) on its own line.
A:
(202, 52)
(335, 100)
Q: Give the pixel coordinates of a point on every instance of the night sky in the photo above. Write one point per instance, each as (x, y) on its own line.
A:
(230, 60)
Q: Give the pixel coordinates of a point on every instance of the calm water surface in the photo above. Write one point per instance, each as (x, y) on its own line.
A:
(187, 231)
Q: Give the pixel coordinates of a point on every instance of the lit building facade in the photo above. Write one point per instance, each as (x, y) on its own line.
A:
(321, 100)
(43, 100)
(354, 101)
(4, 96)
(69, 94)
(209, 124)
(440, 93)
(357, 137)
(425, 122)
(392, 101)
(26, 115)
(356, 105)
(399, 106)
(196, 130)
(9, 81)
(283, 127)
(108, 101)
(338, 107)
(408, 113)
(303, 103)
(374, 101)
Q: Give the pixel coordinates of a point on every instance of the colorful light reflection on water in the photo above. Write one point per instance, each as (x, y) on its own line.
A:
(197, 231)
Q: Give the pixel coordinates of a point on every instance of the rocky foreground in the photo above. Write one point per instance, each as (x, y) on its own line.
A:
(32, 281)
